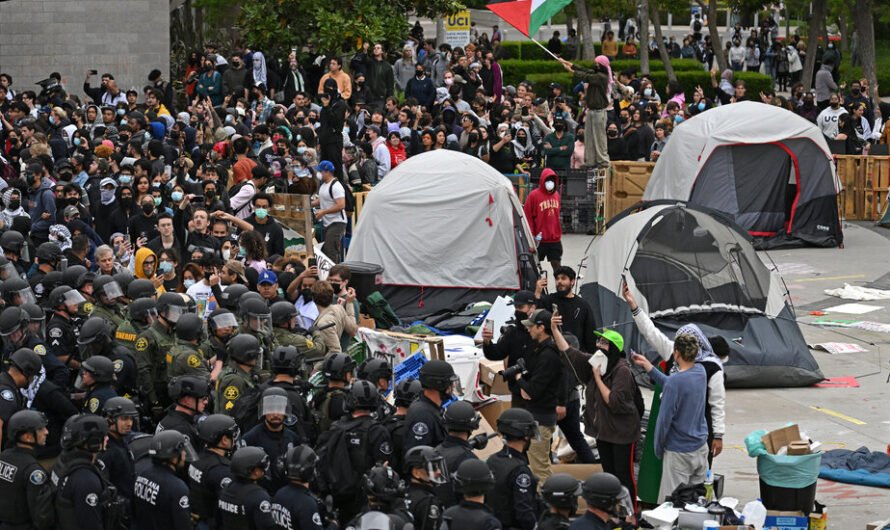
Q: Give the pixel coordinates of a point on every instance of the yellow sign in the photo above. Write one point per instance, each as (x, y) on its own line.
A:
(459, 21)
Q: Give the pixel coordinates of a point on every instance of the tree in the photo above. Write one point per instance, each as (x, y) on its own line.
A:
(817, 29)
(644, 37)
(863, 19)
(583, 12)
(655, 16)
(714, 32)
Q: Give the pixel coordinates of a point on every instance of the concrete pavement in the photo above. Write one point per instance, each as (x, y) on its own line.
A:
(838, 417)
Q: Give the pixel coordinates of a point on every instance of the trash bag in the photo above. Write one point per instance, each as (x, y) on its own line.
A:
(783, 471)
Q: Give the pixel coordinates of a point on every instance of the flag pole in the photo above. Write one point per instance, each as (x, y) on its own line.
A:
(550, 53)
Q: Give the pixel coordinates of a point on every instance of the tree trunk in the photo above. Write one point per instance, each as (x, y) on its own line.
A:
(863, 20)
(644, 37)
(817, 28)
(199, 27)
(655, 17)
(570, 22)
(714, 32)
(440, 31)
(588, 52)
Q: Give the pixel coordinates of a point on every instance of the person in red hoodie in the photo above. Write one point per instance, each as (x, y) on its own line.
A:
(397, 153)
(542, 213)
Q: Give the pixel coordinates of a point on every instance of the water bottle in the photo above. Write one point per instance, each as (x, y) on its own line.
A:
(709, 486)
(539, 237)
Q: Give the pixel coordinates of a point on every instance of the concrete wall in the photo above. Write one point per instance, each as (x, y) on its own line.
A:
(127, 38)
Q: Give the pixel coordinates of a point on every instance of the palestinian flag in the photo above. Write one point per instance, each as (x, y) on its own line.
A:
(527, 15)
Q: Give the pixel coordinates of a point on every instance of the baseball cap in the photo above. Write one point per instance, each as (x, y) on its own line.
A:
(524, 297)
(541, 317)
(237, 268)
(325, 165)
(612, 336)
(70, 211)
(267, 276)
(107, 181)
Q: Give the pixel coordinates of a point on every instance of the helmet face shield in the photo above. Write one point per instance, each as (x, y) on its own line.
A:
(437, 471)
(260, 323)
(113, 291)
(7, 271)
(174, 312)
(224, 320)
(274, 405)
(26, 296)
(191, 455)
(73, 298)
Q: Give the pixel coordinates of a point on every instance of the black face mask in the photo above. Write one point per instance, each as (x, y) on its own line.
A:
(127, 201)
(148, 209)
(15, 205)
(559, 128)
(612, 134)
(520, 316)
(418, 75)
(855, 91)
(336, 287)
(306, 294)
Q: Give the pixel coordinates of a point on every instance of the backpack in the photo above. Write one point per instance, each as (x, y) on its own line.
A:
(349, 198)
(639, 402)
(341, 465)
(234, 191)
(782, 61)
(379, 309)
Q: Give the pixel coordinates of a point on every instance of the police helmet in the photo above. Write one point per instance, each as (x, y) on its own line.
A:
(473, 477)
(561, 491)
(460, 416)
(72, 274)
(51, 280)
(188, 385)
(102, 368)
(25, 421)
(190, 327)
(12, 319)
(215, 426)
(407, 390)
(364, 395)
(95, 329)
(84, 431)
(64, 295)
(27, 362)
(430, 460)
(437, 375)
(246, 459)
(221, 318)
(374, 369)
(171, 306)
(84, 278)
(48, 252)
(254, 307)
(140, 309)
(286, 360)
(243, 348)
(282, 313)
(601, 490)
(517, 423)
(18, 287)
(117, 407)
(108, 287)
(169, 444)
(231, 296)
(12, 241)
(124, 278)
(248, 295)
(384, 484)
(300, 462)
(337, 365)
(35, 312)
(140, 288)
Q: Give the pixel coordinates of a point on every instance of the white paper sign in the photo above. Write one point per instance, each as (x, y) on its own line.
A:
(501, 312)
(835, 348)
(324, 263)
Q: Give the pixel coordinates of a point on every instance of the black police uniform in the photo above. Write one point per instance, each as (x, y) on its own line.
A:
(425, 424)
(61, 338)
(244, 505)
(125, 371)
(588, 521)
(553, 521)
(82, 493)
(56, 371)
(119, 465)
(160, 499)
(468, 515)
(513, 497)
(179, 421)
(275, 444)
(11, 400)
(304, 426)
(454, 451)
(25, 495)
(295, 508)
(94, 402)
(424, 506)
(395, 425)
(207, 477)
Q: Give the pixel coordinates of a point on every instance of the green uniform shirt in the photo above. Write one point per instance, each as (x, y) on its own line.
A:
(151, 350)
(233, 383)
(186, 359)
(111, 314)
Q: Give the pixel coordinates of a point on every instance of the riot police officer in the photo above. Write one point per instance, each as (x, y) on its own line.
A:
(84, 499)
(186, 357)
(47, 255)
(97, 378)
(62, 330)
(330, 403)
(140, 288)
(601, 492)
(285, 364)
(461, 419)
(294, 506)
(95, 340)
(560, 493)
(424, 420)
(221, 326)
(160, 497)
(368, 443)
(17, 291)
(121, 414)
(287, 332)
(243, 504)
(152, 346)
(513, 499)
(406, 392)
(24, 366)
(379, 372)
(210, 473)
(25, 494)
(140, 313)
(425, 469)
(385, 492)
(17, 333)
(231, 296)
(237, 378)
(473, 480)
(107, 293)
(272, 435)
(12, 242)
(189, 394)
(257, 320)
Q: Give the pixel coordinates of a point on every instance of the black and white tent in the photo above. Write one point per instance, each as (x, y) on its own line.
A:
(687, 265)
(769, 169)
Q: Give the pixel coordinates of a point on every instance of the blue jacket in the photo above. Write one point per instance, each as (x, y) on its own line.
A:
(39, 201)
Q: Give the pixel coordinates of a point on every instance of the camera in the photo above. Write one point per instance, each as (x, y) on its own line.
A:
(510, 373)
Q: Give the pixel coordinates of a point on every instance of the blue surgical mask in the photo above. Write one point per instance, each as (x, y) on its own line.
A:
(156, 185)
(165, 266)
(261, 213)
(176, 196)
(242, 251)
(123, 123)
(125, 179)
(157, 201)
(76, 141)
(188, 282)
(701, 105)
(301, 149)
(678, 119)
(121, 112)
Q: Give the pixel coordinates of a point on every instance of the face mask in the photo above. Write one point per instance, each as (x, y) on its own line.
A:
(520, 316)
(157, 201)
(701, 106)
(156, 185)
(76, 141)
(835, 105)
(242, 251)
(678, 119)
(418, 75)
(188, 283)
(227, 254)
(647, 92)
(107, 196)
(261, 213)
(123, 123)
(176, 196)
(855, 91)
(301, 150)
(210, 195)
(550, 185)
(306, 294)
(147, 208)
(165, 266)
(121, 112)
(612, 134)
(449, 82)
(15, 205)
(125, 179)
(336, 287)
(256, 145)
(52, 120)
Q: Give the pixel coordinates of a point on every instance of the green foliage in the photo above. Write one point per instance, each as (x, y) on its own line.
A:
(516, 70)
(882, 67)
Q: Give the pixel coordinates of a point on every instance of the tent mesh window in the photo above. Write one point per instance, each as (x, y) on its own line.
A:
(685, 260)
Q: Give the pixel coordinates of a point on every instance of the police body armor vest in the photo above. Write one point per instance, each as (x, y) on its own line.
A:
(201, 494)
(499, 498)
(233, 512)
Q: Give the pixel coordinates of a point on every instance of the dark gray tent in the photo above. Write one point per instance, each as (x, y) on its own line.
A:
(685, 265)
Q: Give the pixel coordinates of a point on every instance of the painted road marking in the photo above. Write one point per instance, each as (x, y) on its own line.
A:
(838, 415)
(824, 278)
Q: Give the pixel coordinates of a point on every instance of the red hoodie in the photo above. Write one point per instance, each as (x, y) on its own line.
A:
(542, 209)
(396, 156)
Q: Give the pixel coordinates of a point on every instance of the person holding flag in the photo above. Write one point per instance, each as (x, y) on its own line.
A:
(598, 86)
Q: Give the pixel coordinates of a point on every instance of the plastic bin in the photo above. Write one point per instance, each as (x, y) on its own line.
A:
(788, 499)
(366, 278)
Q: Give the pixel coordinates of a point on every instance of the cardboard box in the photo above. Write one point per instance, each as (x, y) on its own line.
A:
(779, 438)
(493, 383)
(366, 321)
(786, 520)
(799, 447)
(492, 411)
(494, 445)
